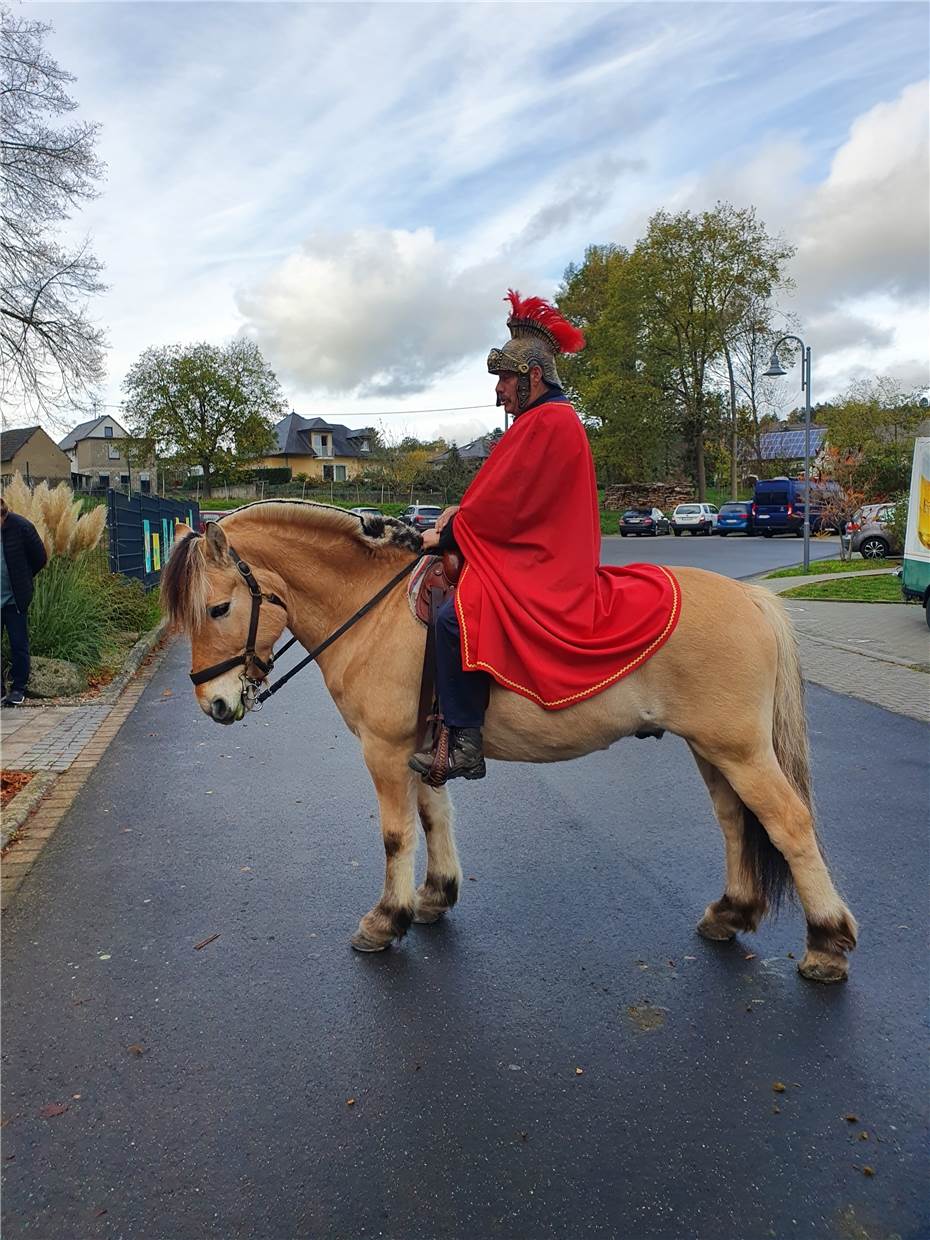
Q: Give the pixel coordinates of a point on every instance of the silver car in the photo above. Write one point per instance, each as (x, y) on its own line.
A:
(871, 532)
(696, 518)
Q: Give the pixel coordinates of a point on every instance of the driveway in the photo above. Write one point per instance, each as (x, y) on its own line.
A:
(563, 1057)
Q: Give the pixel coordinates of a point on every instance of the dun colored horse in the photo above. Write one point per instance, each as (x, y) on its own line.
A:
(728, 681)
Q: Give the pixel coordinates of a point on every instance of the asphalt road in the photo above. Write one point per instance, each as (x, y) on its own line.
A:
(736, 555)
(573, 948)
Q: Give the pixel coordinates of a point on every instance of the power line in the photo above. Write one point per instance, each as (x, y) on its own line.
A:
(384, 413)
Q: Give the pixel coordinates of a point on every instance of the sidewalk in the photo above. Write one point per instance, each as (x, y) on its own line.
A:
(877, 652)
(62, 744)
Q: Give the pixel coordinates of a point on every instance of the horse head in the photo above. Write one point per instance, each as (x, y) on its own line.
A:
(233, 613)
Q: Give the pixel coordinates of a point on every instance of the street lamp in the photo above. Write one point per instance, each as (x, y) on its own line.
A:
(775, 371)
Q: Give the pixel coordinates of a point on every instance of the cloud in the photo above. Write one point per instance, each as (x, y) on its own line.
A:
(864, 230)
(374, 312)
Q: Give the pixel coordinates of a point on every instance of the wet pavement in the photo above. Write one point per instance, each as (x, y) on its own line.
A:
(563, 1057)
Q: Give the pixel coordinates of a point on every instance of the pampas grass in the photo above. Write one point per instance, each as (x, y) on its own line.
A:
(57, 517)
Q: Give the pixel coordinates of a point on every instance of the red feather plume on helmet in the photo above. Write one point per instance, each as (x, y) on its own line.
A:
(535, 312)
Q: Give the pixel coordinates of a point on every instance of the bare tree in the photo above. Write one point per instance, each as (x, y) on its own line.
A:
(50, 351)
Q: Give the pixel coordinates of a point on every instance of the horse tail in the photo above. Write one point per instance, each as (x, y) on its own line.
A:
(789, 740)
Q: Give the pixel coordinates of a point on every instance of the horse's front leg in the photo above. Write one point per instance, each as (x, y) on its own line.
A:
(395, 785)
(440, 889)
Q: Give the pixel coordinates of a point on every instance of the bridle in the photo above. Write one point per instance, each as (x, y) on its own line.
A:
(253, 695)
(248, 656)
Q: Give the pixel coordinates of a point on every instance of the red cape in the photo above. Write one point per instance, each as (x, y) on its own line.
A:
(535, 606)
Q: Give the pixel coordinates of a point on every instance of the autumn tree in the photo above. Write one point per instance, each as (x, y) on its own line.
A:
(50, 350)
(208, 406)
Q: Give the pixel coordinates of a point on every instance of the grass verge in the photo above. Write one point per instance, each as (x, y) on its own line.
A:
(832, 566)
(885, 589)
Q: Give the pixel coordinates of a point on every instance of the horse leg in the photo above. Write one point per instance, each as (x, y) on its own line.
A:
(394, 784)
(440, 889)
(831, 928)
(743, 903)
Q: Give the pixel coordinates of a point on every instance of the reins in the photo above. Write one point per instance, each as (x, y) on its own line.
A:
(249, 656)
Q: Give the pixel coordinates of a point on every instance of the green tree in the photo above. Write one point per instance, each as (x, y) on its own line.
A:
(871, 431)
(453, 476)
(701, 277)
(208, 406)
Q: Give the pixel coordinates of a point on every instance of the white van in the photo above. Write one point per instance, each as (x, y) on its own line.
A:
(915, 577)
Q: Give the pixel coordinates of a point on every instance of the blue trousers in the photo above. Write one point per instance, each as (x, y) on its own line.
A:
(14, 621)
(463, 696)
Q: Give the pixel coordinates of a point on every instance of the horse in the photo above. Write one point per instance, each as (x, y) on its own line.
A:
(727, 680)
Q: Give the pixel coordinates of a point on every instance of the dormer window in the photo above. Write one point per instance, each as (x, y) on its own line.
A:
(322, 443)
(364, 446)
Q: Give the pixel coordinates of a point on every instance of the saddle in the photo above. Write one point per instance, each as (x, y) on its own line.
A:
(429, 589)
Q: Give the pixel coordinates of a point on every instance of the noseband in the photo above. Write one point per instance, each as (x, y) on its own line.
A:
(248, 656)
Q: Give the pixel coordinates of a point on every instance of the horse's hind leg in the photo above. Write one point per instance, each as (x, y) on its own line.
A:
(831, 928)
(440, 889)
(394, 784)
(743, 903)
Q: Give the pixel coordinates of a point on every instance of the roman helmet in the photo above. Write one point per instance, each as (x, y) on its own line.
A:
(538, 333)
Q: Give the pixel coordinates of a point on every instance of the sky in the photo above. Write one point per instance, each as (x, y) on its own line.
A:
(355, 186)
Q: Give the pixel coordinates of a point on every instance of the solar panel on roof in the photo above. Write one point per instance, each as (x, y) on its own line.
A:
(789, 444)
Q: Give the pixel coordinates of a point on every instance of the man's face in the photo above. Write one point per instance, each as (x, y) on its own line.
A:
(506, 391)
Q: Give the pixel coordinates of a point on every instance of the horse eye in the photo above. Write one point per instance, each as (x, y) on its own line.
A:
(219, 610)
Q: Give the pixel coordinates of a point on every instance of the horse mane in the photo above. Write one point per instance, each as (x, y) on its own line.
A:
(185, 588)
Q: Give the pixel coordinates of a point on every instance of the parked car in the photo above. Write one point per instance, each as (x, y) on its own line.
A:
(871, 532)
(367, 512)
(421, 516)
(736, 518)
(694, 519)
(641, 521)
(775, 507)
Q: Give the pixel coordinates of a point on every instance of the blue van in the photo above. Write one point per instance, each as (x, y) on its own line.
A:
(778, 507)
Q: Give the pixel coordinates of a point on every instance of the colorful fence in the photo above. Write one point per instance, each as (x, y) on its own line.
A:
(142, 532)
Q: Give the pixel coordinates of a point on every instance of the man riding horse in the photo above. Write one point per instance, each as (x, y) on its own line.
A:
(534, 610)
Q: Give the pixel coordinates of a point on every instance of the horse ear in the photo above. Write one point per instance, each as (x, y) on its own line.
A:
(217, 546)
(181, 530)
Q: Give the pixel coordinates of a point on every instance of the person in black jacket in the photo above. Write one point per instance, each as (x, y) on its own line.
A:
(22, 557)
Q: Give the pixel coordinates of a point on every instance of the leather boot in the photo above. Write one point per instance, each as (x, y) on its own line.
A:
(458, 755)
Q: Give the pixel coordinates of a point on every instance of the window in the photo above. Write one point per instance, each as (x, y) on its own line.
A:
(334, 473)
(124, 480)
(108, 432)
(103, 481)
(112, 452)
(322, 443)
(364, 446)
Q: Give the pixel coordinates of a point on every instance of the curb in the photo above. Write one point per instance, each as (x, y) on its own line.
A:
(32, 817)
(19, 808)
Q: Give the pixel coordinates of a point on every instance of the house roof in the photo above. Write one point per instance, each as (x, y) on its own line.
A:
(11, 441)
(83, 430)
(477, 450)
(293, 436)
(788, 445)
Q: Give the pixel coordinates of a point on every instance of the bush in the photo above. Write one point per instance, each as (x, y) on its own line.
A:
(69, 618)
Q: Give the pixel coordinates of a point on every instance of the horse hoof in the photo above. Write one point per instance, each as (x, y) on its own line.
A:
(821, 967)
(427, 917)
(362, 943)
(708, 928)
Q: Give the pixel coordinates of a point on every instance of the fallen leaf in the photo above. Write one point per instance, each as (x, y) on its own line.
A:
(851, 1119)
(778, 1087)
(472, 879)
(136, 1048)
(167, 693)
(868, 1171)
(204, 942)
(100, 1213)
(51, 1109)
(579, 1072)
(76, 1096)
(350, 1102)
(863, 1136)
(791, 955)
(776, 1110)
(750, 956)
